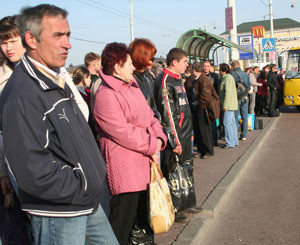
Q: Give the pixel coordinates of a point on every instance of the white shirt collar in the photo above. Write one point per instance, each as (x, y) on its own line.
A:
(45, 68)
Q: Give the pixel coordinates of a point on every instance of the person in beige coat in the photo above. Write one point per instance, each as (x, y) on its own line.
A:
(229, 103)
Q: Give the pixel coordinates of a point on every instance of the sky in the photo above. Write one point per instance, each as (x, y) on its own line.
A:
(99, 22)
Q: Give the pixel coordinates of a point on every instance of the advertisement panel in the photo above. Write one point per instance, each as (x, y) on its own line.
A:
(258, 31)
(246, 41)
(228, 19)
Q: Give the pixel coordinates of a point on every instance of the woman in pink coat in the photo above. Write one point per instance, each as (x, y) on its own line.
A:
(130, 136)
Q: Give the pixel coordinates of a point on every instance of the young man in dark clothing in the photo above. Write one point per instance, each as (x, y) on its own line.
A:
(214, 78)
(273, 84)
(173, 106)
(172, 103)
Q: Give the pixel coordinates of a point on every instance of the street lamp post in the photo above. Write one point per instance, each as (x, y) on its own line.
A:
(233, 31)
(131, 19)
(271, 19)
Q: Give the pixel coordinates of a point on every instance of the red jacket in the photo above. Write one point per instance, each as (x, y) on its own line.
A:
(128, 134)
(263, 90)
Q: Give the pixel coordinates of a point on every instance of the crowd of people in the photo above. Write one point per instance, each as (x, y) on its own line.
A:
(75, 149)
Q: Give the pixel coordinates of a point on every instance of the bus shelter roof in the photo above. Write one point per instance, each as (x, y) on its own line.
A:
(201, 45)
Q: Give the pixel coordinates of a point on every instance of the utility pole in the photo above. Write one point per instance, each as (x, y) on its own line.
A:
(271, 19)
(131, 19)
(233, 32)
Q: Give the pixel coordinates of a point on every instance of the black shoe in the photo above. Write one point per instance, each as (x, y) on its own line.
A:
(139, 236)
(204, 156)
(193, 210)
(180, 217)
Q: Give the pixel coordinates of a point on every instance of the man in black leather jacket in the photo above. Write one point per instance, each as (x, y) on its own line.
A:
(173, 105)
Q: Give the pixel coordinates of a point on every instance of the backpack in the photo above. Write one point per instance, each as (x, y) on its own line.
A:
(241, 89)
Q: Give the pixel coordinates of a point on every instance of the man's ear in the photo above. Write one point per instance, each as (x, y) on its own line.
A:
(174, 62)
(30, 40)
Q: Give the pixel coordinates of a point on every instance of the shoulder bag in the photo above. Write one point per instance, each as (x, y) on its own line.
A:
(161, 213)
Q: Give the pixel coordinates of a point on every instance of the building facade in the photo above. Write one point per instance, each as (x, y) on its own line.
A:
(286, 33)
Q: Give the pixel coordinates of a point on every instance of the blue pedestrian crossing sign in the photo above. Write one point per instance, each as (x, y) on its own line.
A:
(268, 44)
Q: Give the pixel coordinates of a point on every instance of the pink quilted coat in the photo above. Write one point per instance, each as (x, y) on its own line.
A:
(128, 134)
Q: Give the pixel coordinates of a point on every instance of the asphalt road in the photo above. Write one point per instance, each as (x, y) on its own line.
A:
(264, 207)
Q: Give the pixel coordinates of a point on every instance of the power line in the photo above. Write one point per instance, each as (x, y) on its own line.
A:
(136, 18)
(262, 1)
(85, 40)
(126, 16)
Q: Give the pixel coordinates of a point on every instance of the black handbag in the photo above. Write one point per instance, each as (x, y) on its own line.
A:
(258, 124)
(13, 225)
(181, 184)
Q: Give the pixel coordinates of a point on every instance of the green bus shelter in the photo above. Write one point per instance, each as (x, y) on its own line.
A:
(201, 45)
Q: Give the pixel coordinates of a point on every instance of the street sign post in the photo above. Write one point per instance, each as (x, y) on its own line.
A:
(246, 41)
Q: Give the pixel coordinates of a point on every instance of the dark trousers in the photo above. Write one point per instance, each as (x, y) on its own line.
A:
(215, 133)
(261, 103)
(126, 208)
(205, 137)
(168, 162)
(273, 101)
(195, 125)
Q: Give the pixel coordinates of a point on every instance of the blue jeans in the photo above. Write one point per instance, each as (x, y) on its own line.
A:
(230, 129)
(243, 111)
(88, 229)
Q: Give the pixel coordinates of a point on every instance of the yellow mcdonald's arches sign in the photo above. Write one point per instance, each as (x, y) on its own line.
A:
(258, 31)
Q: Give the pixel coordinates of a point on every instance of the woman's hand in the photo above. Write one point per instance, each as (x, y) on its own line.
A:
(155, 158)
(158, 145)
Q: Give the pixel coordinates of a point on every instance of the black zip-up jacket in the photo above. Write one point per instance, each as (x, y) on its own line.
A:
(146, 84)
(51, 151)
(172, 104)
(273, 81)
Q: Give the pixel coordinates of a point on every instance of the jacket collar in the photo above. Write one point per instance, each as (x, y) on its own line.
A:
(237, 69)
(172, 74)
(116, 83)
(43, 81)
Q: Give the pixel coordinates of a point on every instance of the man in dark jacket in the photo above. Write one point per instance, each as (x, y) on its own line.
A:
(172, 103)
(241, 77)
(52, 155)
(214, 78)
(173, 106)
(273, 85)
(205, 93)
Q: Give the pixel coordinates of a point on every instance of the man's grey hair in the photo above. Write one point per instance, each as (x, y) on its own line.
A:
(30, 19)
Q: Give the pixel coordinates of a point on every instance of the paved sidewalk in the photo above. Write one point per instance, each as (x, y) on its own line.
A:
(207, 174)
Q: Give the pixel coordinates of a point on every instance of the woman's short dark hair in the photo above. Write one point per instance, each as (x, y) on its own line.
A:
(143, 51)
(112, 54)
(79, 74)
(224, 68)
